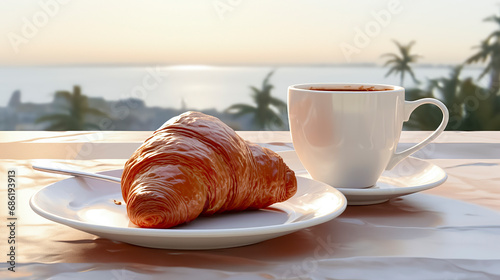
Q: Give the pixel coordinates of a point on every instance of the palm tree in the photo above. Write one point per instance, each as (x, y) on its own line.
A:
(401, 64)
(470, 107)
(450, 91)
(267, 111)
(489, 50)
(77, 112)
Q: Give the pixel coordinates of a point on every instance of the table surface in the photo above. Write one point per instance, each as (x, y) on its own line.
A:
(448, 232)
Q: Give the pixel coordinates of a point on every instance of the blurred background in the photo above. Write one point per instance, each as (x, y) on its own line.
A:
(132, 65)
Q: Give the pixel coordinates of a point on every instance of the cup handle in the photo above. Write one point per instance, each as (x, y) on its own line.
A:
(410, 106)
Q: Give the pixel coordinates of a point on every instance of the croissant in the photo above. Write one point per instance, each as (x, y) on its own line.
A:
(196, 165)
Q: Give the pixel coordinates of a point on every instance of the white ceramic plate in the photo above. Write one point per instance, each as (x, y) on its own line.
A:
(410, 176)
(88, 205)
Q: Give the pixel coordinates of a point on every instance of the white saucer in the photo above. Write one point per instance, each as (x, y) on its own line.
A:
(410, 176)
(88, 205)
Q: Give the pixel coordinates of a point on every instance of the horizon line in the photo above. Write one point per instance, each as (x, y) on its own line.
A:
(214, 65)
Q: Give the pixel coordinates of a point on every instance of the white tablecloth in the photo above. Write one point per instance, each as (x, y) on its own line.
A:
(449, 232)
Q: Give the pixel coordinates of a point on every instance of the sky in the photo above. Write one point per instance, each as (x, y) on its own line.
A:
(238, 32)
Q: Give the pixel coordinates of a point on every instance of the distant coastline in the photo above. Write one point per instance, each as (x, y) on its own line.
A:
(127, 114)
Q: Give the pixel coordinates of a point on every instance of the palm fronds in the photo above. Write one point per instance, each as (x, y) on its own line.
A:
(400, 63)
(77, 107)
(267, 112)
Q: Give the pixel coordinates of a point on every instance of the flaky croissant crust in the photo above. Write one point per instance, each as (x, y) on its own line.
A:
(196, 165)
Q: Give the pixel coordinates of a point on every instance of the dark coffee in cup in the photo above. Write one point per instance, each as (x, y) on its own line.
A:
(361, 88)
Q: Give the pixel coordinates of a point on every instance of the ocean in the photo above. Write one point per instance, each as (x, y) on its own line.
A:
(193, 87)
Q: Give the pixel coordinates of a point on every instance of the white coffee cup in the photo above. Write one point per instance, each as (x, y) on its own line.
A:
(346, 134)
